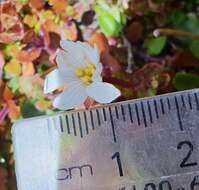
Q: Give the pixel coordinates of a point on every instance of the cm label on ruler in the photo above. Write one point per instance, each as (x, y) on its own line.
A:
(147, 144)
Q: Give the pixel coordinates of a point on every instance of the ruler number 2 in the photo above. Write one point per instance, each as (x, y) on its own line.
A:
(117, 156)
(185, 160)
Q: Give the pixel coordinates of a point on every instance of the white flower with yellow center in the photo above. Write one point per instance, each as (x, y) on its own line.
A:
(79, 72)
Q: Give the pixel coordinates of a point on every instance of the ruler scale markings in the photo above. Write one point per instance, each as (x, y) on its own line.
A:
(74, 127)
(189, 100)
(80, 125)
(86, 122)
(168, 103)
(130, 113)
(178, 113)
(67, 124)
(183, 101)
(98, 117)
(173, 165)
(123, 114)
(143, 113)
(162, 106)
(112, 125)
(104, 114)
(149, 110)
(92, 120)
(196, 99)
(116, 111)
(137, 114)
(156, 109)
(61, 124)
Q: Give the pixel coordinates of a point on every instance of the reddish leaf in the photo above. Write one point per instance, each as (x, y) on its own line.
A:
(59, 6)
(10, 38)
(2, 62)
(110, 63)
(89, 103)
(7, 94)
(46, 34)
(28, 69)
(37, 4)
(14, 110)
(134, 32)
(8, 8)
(3, 114)
(183, 59)
(100, 41)
(3, 179)
(29, 36)
(28, 56)
(69, 31)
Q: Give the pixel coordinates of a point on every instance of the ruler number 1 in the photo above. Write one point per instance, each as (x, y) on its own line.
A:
(117, 156)
(184, 162)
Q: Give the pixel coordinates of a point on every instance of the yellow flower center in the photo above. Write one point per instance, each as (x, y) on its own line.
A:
(85, 74)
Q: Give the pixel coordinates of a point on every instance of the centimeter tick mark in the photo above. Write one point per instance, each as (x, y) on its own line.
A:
(92, 120)
(150, 113)
(137, 114)
(80, 125)
(156, 109)
(98, 117)
(61, 124)
(117, 113)
(130, 113)
(67, 124)
(189, 100)
(123, 114)
(183, 102)
(197, 102)
(162, 106)
(104, 114)
(168, 103)
(144, 115)
(86, 122)
(112, 125)
(178, 114)
(74, 127)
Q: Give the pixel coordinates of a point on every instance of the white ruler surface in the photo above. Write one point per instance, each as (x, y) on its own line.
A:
(144, 144)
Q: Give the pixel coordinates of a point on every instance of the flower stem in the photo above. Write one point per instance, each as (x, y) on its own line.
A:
(174, 33)
(130, 59)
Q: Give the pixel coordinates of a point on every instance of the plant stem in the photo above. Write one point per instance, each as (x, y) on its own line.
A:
(130, 59)
(174, 33)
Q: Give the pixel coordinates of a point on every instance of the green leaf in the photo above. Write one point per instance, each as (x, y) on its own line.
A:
(177, 18)
(109, 25)
(185, 81)
(28, 110)
(111, 19)
(14, 85)
(194, 47)
(186, 22)
(155, 46)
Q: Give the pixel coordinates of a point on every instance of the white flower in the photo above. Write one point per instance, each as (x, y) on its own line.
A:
(79, 71)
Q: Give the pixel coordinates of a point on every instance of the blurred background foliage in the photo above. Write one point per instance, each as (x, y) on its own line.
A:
(147, 47)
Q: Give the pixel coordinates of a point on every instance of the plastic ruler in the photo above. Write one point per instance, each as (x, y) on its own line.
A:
(144, 144)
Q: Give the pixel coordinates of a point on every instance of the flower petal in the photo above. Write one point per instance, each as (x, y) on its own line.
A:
(97, 74)
(91, 53)
(82, 51)
(53, 81)
(70, 60)
(74, 51)
(71, 97)
(102, 92)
